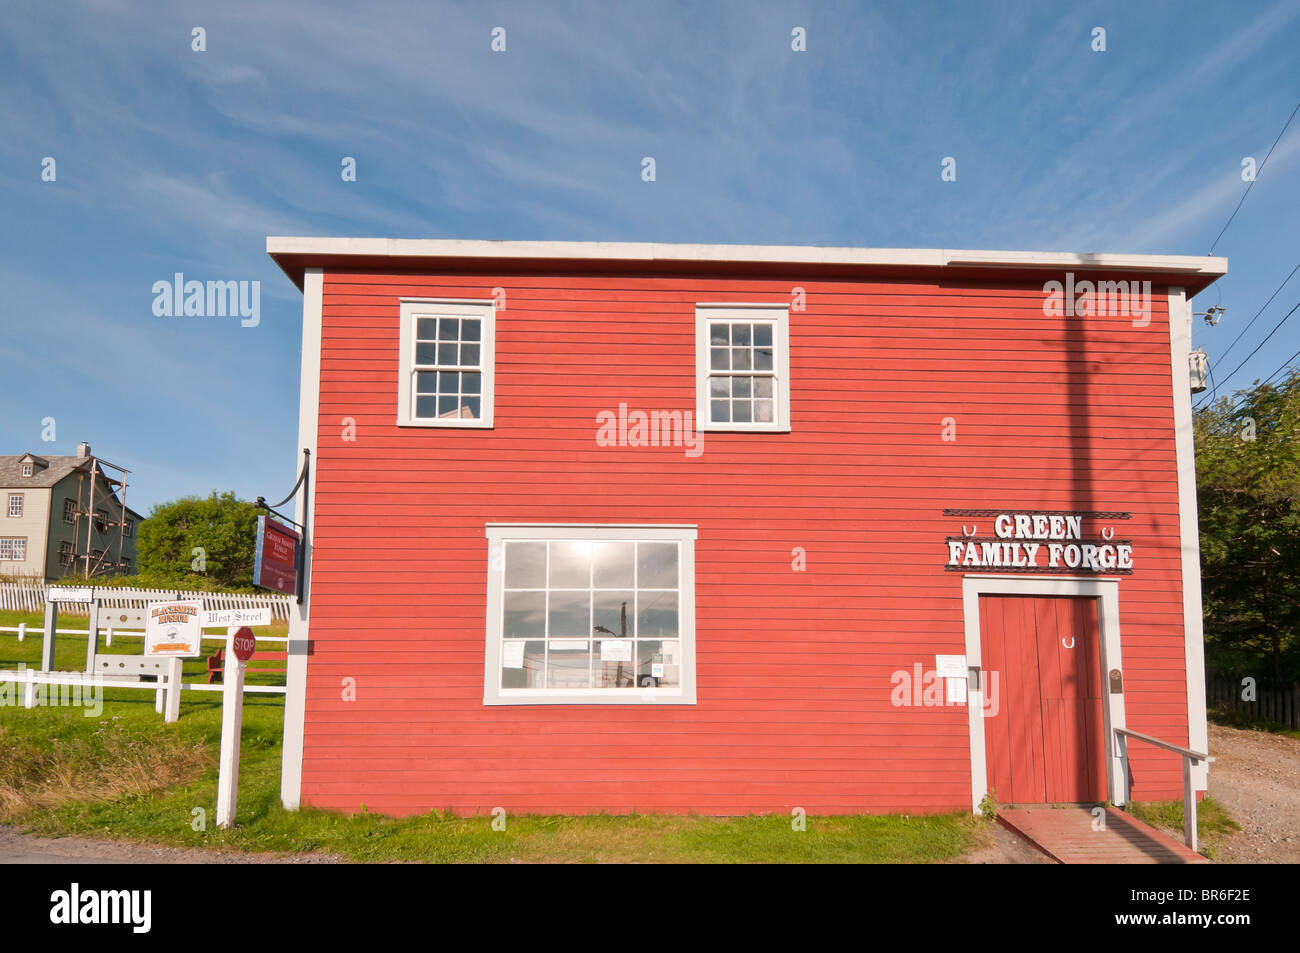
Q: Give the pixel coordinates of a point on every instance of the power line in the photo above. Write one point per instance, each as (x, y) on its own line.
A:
(1224, 355)
(1255, 179)
(1286, 365)
(1263, 342)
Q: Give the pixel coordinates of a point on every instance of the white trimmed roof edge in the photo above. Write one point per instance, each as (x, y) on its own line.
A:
(1208, 266)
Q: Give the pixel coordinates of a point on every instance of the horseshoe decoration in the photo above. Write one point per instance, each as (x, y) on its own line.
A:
(1108, 533)
(972, 531)
(1071, 645)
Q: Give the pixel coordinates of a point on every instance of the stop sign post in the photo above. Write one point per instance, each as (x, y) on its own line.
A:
(240, 645)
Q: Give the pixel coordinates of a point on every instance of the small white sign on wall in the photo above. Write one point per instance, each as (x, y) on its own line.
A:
(950, 666)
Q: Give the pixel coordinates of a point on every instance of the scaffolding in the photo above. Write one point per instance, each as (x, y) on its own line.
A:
(100, 489)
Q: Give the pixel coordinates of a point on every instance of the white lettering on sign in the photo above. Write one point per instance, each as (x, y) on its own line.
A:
(243, 643)
(215, 618)
(1038, 526)
(1043, 541)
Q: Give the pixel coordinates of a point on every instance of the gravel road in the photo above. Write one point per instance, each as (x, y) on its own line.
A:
(1256, 776)
(19, 848)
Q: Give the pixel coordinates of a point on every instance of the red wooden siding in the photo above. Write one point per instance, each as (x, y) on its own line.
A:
(794, 668)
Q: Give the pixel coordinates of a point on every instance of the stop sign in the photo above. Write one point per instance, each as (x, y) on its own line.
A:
(244, 643)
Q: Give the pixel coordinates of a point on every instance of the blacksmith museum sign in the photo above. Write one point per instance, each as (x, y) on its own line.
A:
(1066, 541)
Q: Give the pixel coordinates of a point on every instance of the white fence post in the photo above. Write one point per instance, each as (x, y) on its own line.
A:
(173, 711)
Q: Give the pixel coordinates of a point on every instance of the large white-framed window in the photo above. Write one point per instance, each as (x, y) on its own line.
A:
(13, 549)
(742, 367)
(447, 363)
(15, 504)
(590, 614)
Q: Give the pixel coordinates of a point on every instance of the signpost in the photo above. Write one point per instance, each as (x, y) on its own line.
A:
(240, 647)
(275, 560)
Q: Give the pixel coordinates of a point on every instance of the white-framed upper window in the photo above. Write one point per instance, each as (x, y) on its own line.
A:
(15, 504)
(13, 549)
(590, 614)
(27, 469)
(742, 367)
(447, 363)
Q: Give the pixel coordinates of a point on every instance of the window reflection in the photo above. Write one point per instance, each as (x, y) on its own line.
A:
(584, 614)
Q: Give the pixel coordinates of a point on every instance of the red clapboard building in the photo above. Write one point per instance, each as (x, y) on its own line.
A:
(732, 529)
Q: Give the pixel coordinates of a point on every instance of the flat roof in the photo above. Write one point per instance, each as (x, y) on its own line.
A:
(294, 254)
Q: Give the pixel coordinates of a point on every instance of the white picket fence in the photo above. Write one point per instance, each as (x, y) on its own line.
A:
(30, 597)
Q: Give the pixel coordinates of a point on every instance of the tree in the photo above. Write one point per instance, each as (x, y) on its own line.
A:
(211, 538)
(1248, 484)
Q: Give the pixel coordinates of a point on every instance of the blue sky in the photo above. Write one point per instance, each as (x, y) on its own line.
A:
(173, 160)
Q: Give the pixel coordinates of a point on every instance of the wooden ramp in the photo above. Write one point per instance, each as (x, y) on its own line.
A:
(1065, 833)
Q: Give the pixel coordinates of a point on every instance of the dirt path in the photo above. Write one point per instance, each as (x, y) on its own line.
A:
(1006, 847)
(1256, 776)
(19, 848)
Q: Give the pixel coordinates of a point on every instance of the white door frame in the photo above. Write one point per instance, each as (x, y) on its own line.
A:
(1107, 591)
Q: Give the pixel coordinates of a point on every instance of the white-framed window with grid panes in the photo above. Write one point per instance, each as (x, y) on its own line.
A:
(15, 504)
(590, 614)
(13, 549)
(69, 510)
(27, 469)
(65, 553)
(742, 367)
(447, 363)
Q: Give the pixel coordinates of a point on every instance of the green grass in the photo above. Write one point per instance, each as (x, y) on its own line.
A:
(1213, 822)
(127, 775)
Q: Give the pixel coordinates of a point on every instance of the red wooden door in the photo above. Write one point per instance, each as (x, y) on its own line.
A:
(1045, 744)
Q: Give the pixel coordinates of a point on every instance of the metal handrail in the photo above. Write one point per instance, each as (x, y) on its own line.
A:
(1190, 760)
